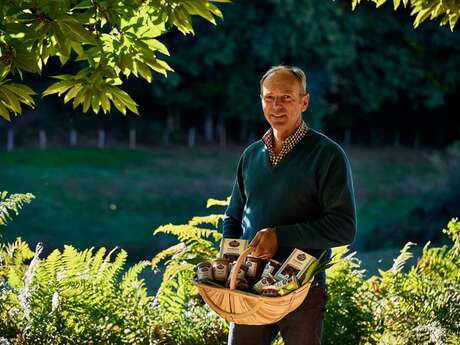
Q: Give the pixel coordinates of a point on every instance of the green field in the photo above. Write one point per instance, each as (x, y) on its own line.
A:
(117, 197)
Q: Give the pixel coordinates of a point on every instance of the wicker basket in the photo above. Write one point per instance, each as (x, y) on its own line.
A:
(246, 308)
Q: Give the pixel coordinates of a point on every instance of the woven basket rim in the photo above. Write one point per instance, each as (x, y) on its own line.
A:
(250, 295)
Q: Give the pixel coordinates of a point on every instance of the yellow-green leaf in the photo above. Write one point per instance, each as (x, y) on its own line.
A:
(4, 112)
(95, 102)
(72, 92)
(59, 87)
(144, 71)
(78, 29)
(10, 100)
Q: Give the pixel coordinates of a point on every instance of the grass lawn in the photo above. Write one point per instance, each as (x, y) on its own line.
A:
(117, 197)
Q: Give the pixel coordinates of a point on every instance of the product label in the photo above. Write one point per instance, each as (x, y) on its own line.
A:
(295, 265)
(204, 273)
(231, 248)
(252, 269)
(266, 281)
(270, 268)
(220, 272)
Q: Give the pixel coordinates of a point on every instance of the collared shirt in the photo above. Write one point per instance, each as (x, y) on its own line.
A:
(287, 144)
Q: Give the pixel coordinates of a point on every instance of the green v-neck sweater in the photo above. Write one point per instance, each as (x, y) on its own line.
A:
(308, 197)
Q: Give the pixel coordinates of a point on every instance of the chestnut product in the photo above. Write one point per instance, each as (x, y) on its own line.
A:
(254, 266)
(270, 291)
(241, 273)
(220, 270)
(271, 268)
(242, 284)
(296, 265)
(265, 281)
(232, 248)
(204, 271)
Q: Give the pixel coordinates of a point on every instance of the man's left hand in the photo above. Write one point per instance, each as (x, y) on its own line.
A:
(265, 244)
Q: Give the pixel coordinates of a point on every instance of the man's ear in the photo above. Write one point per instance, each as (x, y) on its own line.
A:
(305, 101)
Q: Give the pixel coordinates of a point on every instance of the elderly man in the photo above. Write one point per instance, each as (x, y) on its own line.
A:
(293, 189)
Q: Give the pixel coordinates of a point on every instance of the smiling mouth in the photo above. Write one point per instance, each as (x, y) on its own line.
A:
(278, 115)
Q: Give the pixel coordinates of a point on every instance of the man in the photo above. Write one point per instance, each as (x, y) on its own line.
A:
(293, 189)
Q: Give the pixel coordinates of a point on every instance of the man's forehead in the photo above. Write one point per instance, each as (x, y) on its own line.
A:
(282, 81)
(268, 90)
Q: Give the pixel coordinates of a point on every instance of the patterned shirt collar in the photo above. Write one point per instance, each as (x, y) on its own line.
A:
(287, 145)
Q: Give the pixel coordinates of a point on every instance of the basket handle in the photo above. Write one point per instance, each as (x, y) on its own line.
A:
(237, 266)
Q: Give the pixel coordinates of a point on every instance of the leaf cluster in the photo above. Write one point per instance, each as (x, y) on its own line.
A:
(108, 39)
(14, 203)
(183, 313)
(449, 11)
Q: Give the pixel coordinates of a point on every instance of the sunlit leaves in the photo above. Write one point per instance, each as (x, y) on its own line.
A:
(95, 89)
(178, 12)
(109, 38)
(424, 9)
(12, 203)
(12, 95)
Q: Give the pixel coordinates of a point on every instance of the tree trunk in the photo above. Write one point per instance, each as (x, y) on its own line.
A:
(167, 136)
(222, 132)
(132, 139)
(10, 140)
(42, 139)
(73, 138)
(209, 129)
(191, 137)
(101, 138)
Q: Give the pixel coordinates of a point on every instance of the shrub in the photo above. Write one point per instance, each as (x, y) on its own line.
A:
(82, 297)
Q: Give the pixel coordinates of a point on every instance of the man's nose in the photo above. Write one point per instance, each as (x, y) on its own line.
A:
(277, 102)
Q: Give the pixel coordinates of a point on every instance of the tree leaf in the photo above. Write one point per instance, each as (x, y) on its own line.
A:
(144, 71)
(72, 92)
(59, 87)
(10, 100)
(4, 112)
(85, 35)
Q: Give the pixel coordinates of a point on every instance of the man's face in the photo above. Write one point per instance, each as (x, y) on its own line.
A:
(283, 101)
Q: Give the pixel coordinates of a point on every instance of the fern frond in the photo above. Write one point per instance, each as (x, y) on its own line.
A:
(173, 270)
(212, 219)
(130, 281)
(186, 233)
(112, 270)
(13, 203)
(176, 296)
(215, 202)
(164, 254)
(405, 254)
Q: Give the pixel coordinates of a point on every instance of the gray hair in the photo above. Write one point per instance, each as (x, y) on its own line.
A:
(294, 70)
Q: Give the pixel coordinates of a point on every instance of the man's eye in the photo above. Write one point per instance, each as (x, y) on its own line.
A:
(268, 98)
(286, 98)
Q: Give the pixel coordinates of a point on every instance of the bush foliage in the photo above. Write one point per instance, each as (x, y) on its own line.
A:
(83, 297)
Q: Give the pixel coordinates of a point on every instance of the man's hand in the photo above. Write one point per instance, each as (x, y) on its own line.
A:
(265, 244)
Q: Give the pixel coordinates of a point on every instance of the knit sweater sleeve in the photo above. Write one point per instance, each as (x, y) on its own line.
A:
(337, 225)
(234, 213)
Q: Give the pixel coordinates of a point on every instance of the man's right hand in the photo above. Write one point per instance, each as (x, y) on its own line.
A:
(265, 244)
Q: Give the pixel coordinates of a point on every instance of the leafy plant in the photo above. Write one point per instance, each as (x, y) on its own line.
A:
(82, 297)
(108, 38)
(14, 203)
(424, 9)
(182, 311)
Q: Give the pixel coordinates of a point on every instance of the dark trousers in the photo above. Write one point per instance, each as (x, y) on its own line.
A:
(303, 326)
